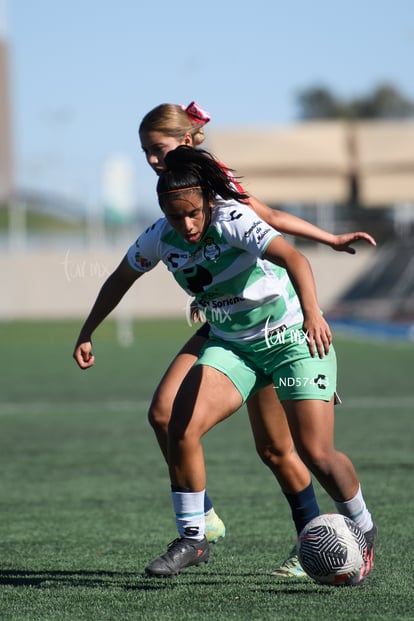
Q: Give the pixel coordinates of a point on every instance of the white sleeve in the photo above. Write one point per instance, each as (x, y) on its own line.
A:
(143, 255)
(243, 228)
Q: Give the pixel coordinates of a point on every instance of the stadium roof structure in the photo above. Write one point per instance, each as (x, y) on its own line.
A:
(317, 162)
(385, 162)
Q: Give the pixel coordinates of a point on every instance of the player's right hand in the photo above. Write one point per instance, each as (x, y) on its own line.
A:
(84, 356)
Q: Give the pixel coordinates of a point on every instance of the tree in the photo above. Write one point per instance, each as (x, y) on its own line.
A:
(385, 102)
(318, 103)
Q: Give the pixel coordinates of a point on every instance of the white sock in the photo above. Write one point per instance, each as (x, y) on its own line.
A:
(356, 509)
(189, 514)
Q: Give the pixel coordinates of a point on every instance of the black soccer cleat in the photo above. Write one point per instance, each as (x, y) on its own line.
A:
(181, 553)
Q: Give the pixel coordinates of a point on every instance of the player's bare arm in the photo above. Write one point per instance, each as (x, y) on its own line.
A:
(292, 225)
(319, 335)
(111, 293)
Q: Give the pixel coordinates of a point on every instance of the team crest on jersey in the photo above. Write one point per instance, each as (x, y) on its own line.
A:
(211, 250)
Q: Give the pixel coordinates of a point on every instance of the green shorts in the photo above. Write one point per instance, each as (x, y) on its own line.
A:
(285, 362)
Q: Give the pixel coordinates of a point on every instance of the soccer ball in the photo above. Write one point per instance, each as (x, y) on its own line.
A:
(331, 550)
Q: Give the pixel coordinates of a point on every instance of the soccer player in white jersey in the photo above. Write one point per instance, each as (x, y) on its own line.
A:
(162, 129)
(258, 295)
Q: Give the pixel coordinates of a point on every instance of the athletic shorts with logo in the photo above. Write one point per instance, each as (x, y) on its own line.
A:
(283, 360)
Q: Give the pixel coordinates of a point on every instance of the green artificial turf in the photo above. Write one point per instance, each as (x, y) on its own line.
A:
(85, 496)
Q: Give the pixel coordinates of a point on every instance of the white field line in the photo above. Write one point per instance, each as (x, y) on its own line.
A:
(35, 407)
(376, 402)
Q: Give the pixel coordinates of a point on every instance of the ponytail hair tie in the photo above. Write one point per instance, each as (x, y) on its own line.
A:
(197, 114)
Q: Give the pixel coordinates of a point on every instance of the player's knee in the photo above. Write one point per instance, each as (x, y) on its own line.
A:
(317, 459)
(183, 430)
(159, 413)
(271, 456)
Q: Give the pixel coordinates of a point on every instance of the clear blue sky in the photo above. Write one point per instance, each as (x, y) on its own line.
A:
(84, 72)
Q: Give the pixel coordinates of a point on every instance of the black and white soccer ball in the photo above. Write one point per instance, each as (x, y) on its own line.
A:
(331, 550)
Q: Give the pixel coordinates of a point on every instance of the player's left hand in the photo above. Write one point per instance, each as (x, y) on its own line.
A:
(342, 242)
(318, 335)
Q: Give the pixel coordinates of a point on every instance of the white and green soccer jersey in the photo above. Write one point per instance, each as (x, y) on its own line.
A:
(242, 296)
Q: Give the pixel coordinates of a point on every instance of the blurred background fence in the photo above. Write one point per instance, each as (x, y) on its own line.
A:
(344, 163)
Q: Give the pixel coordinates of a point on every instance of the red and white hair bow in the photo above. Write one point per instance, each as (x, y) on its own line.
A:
(196, 113)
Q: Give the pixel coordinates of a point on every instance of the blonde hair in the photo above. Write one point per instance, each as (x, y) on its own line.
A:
(172, 120)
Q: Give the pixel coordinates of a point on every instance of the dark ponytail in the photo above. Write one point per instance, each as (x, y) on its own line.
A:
(195, 168)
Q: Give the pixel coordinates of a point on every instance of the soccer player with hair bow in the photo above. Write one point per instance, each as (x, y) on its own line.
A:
(229, 255)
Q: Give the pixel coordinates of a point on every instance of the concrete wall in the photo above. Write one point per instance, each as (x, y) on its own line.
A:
(63, 284)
